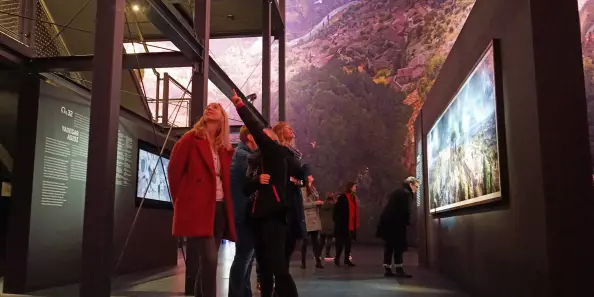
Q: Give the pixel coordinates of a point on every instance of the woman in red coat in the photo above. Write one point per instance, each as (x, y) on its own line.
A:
(200, 187)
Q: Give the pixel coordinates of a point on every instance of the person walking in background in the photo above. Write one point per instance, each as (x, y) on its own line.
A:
(199, 179)
(241, 269)
(326, 216)
(313, 223)
(393, 224)
(346, 223)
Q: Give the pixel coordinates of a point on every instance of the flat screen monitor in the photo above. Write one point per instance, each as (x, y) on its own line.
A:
(152, 181)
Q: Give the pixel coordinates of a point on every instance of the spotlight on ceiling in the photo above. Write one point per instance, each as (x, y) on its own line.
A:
(231, 17)
(135, 7)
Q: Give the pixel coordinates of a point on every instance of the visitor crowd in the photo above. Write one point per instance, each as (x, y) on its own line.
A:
(262, 196)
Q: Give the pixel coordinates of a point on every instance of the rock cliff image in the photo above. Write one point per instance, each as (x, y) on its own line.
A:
(358, 73)
(357, 78)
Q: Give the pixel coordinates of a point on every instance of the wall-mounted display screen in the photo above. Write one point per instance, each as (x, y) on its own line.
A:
(157, 187)
(462, 146)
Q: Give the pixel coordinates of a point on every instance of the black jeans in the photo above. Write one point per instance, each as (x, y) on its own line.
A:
(270, 235)
(326, 240)
(391, 252)
(202, 257)
(317, 249)
(343, 243)
(241, 269)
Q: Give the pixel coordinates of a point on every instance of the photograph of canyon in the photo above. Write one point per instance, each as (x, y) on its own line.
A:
(462, 146)
(358, 73)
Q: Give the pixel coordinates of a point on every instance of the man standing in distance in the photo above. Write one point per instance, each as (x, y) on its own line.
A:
(393, 224)
(241, 269)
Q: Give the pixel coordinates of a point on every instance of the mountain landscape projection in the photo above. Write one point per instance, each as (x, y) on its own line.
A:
(357, 73)
(586, 8)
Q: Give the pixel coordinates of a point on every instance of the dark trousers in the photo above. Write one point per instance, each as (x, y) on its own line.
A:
(290, 245)
(270, 236)
(317, 249)
(326, 240)
(202, 257)
(343, 243)
(390, 251)
(241, 269)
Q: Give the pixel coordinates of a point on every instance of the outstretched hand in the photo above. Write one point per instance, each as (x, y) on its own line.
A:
(235, 99)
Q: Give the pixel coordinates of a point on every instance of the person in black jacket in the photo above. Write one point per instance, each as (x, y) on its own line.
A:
(392, 226)
(270, 205)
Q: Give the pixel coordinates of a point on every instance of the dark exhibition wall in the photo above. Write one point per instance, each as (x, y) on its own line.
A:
(51, 215)
(528, 232)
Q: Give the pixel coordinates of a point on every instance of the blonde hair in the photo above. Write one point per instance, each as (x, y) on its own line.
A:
(278, 130)
(222, 139)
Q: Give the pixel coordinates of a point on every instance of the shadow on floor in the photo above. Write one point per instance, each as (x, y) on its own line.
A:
(365, 280)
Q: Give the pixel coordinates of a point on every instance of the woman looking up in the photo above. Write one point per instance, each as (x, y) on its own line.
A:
(299, 176)
(199, 180)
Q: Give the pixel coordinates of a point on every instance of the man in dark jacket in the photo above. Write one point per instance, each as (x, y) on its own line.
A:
(241, 269)
(393, 224)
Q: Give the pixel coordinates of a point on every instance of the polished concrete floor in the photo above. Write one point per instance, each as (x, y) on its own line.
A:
(364, 280)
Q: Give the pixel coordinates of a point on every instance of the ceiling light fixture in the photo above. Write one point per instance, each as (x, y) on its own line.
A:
(135, 7)
(231, 17)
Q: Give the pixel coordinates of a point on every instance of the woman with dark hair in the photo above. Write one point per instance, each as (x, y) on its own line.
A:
(346, 223)
(326, 216)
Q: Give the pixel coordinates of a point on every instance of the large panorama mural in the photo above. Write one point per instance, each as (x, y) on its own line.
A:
(358, 73)
(586, 8)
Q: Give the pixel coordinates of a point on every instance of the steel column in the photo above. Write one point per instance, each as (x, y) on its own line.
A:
(17, 256)
(165, 117)
(200, 75)
(27, 22)
(266, 57)
(282, 85)
(97, 262)
(129, 61)
(157, 96)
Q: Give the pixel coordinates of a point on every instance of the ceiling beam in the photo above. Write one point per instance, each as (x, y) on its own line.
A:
(129, 61)
(13, 52)
(176, 31)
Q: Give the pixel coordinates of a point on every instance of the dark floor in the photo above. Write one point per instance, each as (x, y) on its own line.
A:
(364, 280)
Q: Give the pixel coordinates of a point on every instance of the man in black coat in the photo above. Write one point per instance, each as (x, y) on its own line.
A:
(393, 224)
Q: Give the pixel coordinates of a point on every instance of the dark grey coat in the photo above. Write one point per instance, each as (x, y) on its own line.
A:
(326, 214)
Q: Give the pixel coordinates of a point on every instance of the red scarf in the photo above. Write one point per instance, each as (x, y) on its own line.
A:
(354, 221)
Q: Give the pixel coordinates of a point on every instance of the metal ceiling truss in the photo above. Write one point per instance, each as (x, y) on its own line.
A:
(180, 34)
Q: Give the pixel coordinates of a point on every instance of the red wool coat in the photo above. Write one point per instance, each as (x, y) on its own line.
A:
(192, 182)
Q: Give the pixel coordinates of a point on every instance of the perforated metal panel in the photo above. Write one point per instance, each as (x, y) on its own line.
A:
(46, 42)
(9, 20)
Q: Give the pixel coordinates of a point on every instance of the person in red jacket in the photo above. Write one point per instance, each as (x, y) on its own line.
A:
(346, 223)
(199, 180)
